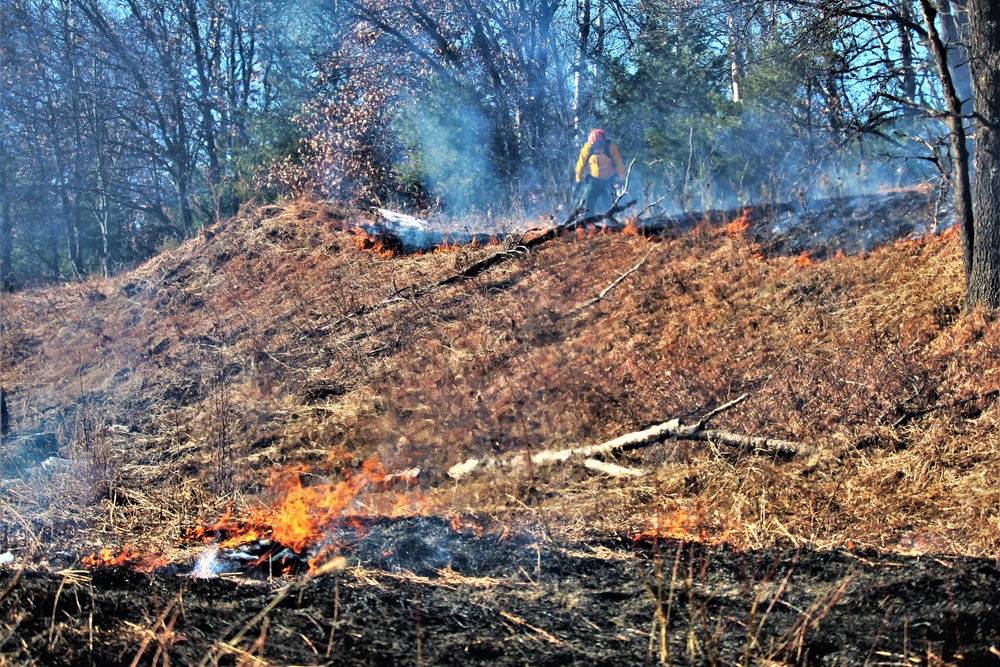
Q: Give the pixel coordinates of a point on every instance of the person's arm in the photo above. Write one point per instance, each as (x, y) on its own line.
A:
(617, 158)
(581, 162)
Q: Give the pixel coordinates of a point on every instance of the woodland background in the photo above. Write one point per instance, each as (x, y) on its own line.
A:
(127, 125)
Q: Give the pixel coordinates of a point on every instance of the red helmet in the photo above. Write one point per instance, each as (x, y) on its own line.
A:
(596, 136)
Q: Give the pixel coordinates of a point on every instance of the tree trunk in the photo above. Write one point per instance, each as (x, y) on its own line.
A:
(4, 416)
(959, 149)
(983, 285)
(908, 73)
(955, 21)
(583, 40)
(6, 220)
(737, 51)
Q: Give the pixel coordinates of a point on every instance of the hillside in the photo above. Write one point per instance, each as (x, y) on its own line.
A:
(268, 361)
(184, 381)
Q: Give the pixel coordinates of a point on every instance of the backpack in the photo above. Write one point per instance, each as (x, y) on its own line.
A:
(605, 163)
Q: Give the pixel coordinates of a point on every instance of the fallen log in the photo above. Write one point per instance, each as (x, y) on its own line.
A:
(759, 446)
(611, 469)
(516, 249)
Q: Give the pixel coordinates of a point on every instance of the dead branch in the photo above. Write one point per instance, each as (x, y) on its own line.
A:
(624, 190)
(754, 445)
(759, 446)
(611, 469)
(649, 206)
(909, 415)
(610, 287)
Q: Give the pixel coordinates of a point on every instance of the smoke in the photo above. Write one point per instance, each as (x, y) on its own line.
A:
(449, 154)
(759, 160)
(209, 565)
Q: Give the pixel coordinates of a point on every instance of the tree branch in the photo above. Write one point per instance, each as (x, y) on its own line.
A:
(610, 287)
(670, 429)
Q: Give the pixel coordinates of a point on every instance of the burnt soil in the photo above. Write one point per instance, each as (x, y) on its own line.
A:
(417, 591)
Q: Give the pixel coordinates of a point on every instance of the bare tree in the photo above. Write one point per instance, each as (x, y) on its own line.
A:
(961, 179)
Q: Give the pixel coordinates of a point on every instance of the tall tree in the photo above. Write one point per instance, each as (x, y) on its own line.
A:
(983, 284)
(961, 179)
(481, 82)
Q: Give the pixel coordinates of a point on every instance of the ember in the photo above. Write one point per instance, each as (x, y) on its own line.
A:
(129, 556)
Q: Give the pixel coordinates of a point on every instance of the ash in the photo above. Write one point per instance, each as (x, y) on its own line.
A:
(426, 545)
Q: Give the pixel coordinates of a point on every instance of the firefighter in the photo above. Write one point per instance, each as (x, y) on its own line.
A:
(599, 169)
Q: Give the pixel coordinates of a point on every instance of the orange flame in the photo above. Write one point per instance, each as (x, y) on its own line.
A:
(129, 556)
(687, 525)
(804, 260)
(445, 247)
(301, 516)
(460, 526)
(380, 244)
(739, 224)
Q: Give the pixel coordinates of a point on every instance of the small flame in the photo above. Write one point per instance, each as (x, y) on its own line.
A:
(739, 224)
(460, 526)
(379, 243)
(129, 556)
(687, 525)
(445, 247)
(804, 260)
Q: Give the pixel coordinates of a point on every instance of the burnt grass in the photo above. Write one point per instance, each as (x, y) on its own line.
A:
(418, 592)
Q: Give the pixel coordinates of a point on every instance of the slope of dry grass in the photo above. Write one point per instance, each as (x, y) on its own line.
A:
(175, 388)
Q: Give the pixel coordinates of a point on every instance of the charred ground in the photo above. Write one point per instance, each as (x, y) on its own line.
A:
(508, 604)
(174, 391)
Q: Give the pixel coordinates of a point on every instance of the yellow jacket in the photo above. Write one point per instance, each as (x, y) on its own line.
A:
(602, 165)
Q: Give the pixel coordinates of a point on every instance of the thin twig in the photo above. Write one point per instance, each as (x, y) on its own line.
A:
(649, 206)
(520, 621)
(151, 633)
(722, 408)
(336, 612)
(335, 565)
(610, 287)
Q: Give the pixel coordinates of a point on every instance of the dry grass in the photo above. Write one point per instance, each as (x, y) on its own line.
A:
(177, 386)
